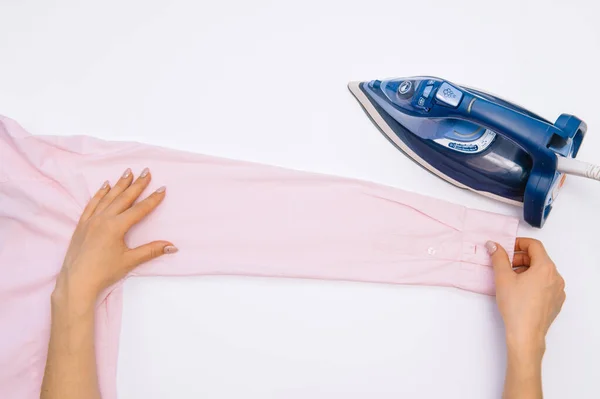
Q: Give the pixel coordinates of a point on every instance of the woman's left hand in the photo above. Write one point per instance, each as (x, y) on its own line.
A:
(98, 256)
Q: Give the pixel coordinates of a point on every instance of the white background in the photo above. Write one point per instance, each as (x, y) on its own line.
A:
(266, 81)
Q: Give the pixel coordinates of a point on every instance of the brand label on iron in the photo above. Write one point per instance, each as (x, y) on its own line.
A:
(463, 147)
(472, 147)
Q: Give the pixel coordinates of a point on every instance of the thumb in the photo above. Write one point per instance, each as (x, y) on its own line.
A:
(500, 262)
(147, 252)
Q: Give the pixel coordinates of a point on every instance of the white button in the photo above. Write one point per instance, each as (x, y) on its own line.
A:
(449, 95)
(431, 251)
(427, 91)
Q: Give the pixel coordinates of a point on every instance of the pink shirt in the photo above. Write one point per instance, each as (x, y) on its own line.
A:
(226, 217)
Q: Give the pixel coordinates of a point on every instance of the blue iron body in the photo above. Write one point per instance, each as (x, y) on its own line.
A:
(475, 140)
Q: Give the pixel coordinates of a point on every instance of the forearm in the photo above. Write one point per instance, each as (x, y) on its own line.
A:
(71, 365)
(523, 372)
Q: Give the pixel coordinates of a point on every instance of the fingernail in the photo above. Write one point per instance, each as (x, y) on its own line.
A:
(491, 247)
(126, 173)
(170, 249)
(161, 189)
(104, 185)
(145, 172)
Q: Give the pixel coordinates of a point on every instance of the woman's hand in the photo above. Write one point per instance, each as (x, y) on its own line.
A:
(530, 297)
(98, 256)
(530, 294)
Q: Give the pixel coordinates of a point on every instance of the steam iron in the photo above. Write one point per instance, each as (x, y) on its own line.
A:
(478, 141)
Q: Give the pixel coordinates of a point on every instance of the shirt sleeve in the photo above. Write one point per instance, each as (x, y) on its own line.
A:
(232, 217)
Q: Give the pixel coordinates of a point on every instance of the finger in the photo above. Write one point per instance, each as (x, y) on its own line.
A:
(503, 271)
(132, 193)
(94, 201)
(143, 208)
(521, 259)
(520, 269)
(534, 248)
(147, 252)
(114, 192)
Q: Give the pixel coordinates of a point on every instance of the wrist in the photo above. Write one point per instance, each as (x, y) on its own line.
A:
(71, 297)
(528, 351)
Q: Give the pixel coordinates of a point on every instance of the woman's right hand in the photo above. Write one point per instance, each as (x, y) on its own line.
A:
(530, 296)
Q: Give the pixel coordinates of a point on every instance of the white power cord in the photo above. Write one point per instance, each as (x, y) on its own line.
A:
(578, 168)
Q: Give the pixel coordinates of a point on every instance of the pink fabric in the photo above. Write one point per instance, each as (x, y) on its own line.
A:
(226, 217)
